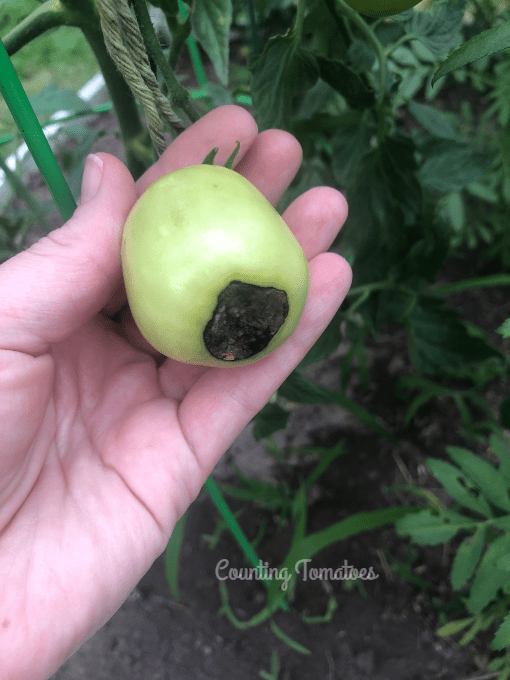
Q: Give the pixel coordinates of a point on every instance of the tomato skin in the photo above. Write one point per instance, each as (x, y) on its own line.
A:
(187, 237)
(381, 8)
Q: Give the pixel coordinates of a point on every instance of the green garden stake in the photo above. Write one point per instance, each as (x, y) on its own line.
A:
(30, 128)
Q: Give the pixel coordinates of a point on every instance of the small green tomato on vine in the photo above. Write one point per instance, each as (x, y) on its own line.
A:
(213, 274)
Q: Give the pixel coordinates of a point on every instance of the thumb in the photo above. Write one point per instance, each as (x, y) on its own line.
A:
(63, 280)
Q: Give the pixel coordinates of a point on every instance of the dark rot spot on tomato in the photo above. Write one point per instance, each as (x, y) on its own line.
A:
(245, 320)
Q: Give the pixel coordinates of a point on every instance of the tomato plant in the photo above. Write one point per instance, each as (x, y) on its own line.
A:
(213, 274)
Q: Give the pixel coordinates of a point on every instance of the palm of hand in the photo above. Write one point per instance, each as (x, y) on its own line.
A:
(104, 446)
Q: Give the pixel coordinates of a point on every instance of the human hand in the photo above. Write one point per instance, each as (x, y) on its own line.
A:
(103, 442)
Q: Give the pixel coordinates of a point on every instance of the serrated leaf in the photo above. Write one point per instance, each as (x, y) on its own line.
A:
(488, 578)
(483, 474)
(51, 99)
(438, 30)
(282, 71)
(467, 557)
(269, 420)
(484, 44)
(385, 198)
(211, 22)
(439, 341)
(428, 528)
(504, 329)
(451, 166)
(458, 486)
(349, 84)
(434, 121)
(502, 637)
(350, 144)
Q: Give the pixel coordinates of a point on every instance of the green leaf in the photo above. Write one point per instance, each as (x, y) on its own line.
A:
(496, 663)
(438, 30)
(488, 578)
(385, 198)
(429, 392)
(454, 627)
(504, 329)
(458, 486)
(449, 166)
(51, 99)
(484, 44)
(504, 562)
(168, 6)
(328, 457)
(502, 637)
(212, 20)
(283, 71)
(426, 494)
(467, 557)
(299, 389)
(502, 523)
(350, 144)
(500, 445)
(483, 475)
(310, 545)
(172, 554)
(434, 121)
(428, 528)
(347, 83)
(268, 420)
(439, 342)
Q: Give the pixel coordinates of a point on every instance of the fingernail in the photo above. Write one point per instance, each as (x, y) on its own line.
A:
(92, 176)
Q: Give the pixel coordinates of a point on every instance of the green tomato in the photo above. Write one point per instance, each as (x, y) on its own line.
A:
(381, 8)
(213, 274)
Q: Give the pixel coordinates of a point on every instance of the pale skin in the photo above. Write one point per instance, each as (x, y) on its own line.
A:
(103, 443)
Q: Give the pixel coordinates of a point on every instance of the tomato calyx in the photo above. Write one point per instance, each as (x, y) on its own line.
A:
(209, 159)
(245, 320)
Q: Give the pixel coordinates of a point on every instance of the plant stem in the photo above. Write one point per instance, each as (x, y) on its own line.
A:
(251, 8)
(369, 287)
(470, 284)
(193, 51)
(49, 15)
(134, 135)
(300, 17)
(369, 34)
(124, 103)
(179, 96)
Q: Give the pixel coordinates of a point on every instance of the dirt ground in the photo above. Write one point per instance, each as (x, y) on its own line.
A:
(381, 631)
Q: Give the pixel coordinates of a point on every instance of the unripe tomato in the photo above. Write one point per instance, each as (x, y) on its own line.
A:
(381, 8)
(213, 274)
